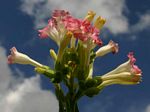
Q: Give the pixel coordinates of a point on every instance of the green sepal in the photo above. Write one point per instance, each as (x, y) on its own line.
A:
(92, 91)
(90, 83)
(98, 80)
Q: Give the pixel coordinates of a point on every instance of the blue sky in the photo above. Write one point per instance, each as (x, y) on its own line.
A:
(21, 90)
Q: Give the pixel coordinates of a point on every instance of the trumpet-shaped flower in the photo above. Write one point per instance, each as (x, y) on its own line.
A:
(126, 73)
(20, 58)
(55, 28)
(110, 47)
(127, 66)
(124, 78)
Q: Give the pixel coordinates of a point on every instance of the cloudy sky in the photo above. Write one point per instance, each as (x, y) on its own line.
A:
(22, 90)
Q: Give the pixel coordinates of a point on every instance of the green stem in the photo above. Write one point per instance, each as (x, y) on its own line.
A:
(60, 97)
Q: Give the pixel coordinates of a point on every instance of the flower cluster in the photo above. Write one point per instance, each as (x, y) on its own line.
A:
(62, 21)
(76, 40)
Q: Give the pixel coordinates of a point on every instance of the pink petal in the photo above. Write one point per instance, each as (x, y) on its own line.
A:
(9, 59)
(136, 69)
(44, 32)
(13, 51)
(115, 47)
(131, 58)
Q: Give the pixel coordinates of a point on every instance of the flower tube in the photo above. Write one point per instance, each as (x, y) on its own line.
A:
(20, 58)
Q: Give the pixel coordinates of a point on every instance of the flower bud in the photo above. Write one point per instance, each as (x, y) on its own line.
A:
(53, 54)
(99, 22)
(47, 72)
(90, 16)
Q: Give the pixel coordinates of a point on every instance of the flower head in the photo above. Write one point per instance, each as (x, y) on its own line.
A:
(20, 58)
(62, 22)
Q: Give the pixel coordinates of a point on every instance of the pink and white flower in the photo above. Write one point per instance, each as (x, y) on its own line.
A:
(123, 78)
(128, 66)
(110, 47)
(126, 73)
(20, 58)
(82, 30)
(55, 28)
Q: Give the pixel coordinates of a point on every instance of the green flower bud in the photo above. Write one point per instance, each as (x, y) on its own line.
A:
(47, 72)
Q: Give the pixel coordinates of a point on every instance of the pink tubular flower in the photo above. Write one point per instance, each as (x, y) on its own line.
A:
(82, 29)
(127, 73)
(127, 66)
(75, 26)
(44, 33)
(20, 58)
(72, 24)
(110, 47)
(55, 29)
(123, 78)
(94, 34)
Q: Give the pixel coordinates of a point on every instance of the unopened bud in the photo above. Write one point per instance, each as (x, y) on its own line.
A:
(47, 72)
(53, 54)
(99, 22)
(90, 16)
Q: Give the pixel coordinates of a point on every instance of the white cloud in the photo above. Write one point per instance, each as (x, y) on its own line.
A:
(112, 10)
(148, 108)
(25, 96)
(142, 24)
(5, 74)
